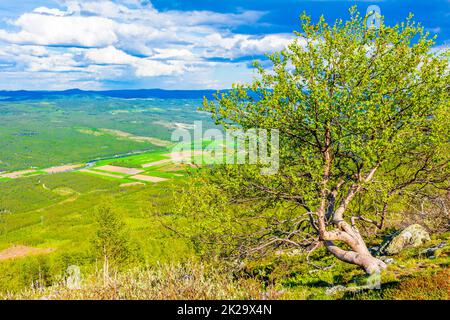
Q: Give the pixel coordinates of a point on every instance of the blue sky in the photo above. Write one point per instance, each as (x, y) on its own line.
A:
(177, 44)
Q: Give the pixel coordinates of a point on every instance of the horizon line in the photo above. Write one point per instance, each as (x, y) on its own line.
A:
(103, 90)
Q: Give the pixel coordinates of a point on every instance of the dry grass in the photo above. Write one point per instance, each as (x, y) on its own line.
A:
(182, 155)
(125, 135)
(428, 287)
(101, 173)
(131, 184)
(148, 178)
(191, 281)
(19, 251)
(116, 169)
(155, 163)
(65, 168)
(434, 214)
(17, 174)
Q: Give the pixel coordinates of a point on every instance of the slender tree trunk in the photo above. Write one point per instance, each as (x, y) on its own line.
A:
(105, 269)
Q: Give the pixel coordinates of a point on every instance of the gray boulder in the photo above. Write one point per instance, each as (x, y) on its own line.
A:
(413, 236)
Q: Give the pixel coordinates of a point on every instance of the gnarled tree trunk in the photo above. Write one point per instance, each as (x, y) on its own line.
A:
(344, 232)
(358, 255)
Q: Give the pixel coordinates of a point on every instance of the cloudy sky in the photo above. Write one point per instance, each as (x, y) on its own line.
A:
(171, 44)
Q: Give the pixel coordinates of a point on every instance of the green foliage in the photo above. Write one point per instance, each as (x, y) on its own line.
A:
(359, 111)
(111, 242)
(217, 225)
(40, 271)
(136, 161)
(347, 81)
(25, 194)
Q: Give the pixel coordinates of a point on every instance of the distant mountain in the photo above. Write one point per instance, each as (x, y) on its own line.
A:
(124, 94)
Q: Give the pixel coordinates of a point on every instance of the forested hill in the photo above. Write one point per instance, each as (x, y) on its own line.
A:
(125, 94)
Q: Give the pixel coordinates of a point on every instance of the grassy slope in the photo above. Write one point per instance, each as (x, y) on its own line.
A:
(56, 211)
(49, 218)
(410, 277)
(42, 217)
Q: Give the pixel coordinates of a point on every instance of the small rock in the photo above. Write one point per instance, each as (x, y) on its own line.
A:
(413, 236)
(333, 290)
(386, 260)
(291, 253)
(374, 250)
(434, 251)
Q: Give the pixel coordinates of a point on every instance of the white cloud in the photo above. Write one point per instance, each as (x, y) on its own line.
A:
(144, 67)
(32, 50)
(109, 55)
(50, 30)
(146, 12)
(100, 40)
(243, 45)
(178, 54)
(442, 49)
(110, 23)
(104, 8)
(53, 12)
(265, 44)
(55, 63)
(152, 68)
(434, 30)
